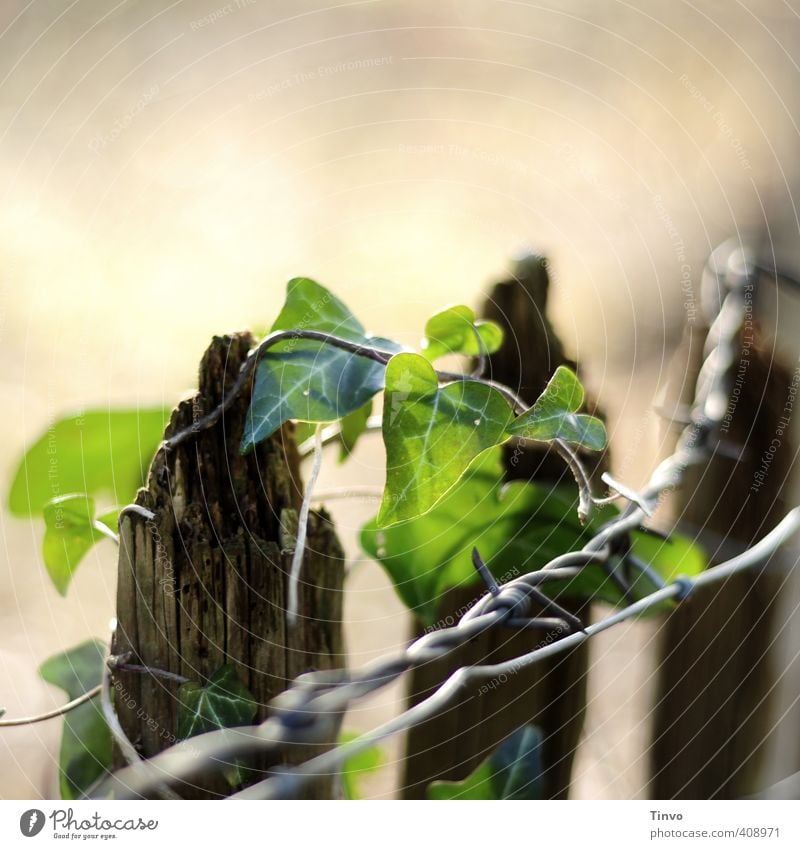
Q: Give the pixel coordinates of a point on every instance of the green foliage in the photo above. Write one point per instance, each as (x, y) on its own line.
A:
(432, 434)
(357, 765)
(512, 771)
(307, 380)
(224, 702)
(456, 331)
(517, 527)
(102, 452)
(71, 529)
(554, 415)
(86, 740)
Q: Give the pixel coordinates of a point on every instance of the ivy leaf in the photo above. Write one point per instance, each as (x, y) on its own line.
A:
(512, 771)
(365, 761)
(456, 331)
(517, 527)
(307, 380)
(86, 740)
(71, 529)
(222, 703)
(101, 452)
(554, 415)
(432, 434)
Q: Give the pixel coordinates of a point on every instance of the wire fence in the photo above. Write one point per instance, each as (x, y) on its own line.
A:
(310, 710)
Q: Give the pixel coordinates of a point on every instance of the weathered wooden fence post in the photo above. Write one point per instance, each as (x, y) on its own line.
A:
(552, 694)
(203, 582)
(715, 675)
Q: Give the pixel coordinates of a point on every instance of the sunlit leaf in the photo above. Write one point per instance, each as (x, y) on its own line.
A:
(432, 434)
(86, 740)
(307, 380)
(71, 529)
(224, 702)
(457, 331)
(102, 452)
(517, 527)
(512, 771)
(554, 415)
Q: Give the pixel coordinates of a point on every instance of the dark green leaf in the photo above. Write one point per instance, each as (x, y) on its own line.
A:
(86, 740)
(102, 452)
(456, 331)
(71, 529)
(432, 434)
(554, 415)
(222, 703)
(512, 771)
(358, 765)
(312, 381)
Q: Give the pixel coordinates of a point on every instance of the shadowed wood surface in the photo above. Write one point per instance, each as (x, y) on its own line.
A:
(203, 583)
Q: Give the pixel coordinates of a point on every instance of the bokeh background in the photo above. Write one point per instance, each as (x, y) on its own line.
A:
(165, 168)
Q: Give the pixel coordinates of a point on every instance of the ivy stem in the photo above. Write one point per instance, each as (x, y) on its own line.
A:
(126, 747)
(302, 528)
(374, 354)
(51, 714)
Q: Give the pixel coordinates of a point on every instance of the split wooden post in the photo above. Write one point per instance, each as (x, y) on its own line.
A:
(203, 582)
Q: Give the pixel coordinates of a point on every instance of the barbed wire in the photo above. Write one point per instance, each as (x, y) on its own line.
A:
(310, 710)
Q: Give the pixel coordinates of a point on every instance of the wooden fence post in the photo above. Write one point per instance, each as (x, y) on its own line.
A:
(552, 694)
(711, 716)
(203, 582)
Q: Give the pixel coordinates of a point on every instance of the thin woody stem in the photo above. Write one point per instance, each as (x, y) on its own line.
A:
(366, 351)
(52, 714)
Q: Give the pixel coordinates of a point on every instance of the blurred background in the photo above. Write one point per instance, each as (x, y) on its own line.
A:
(166, 167)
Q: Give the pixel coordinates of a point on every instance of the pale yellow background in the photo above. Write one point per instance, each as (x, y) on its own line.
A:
(162, 176)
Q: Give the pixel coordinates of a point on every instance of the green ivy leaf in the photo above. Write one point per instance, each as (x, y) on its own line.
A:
(102, 452)
(554, 415)
(71, 529)
(312, 381)
(456, 331)
(364, 762)
(516, 526)
(86, 740)
(512, 771)
(222, 703)
(432, 434)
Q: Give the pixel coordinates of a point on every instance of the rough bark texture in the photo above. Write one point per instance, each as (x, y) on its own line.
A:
(552, 695)
(712, 710)
(203, 583)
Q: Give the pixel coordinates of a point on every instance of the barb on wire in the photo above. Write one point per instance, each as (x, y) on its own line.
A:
(309, 711)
